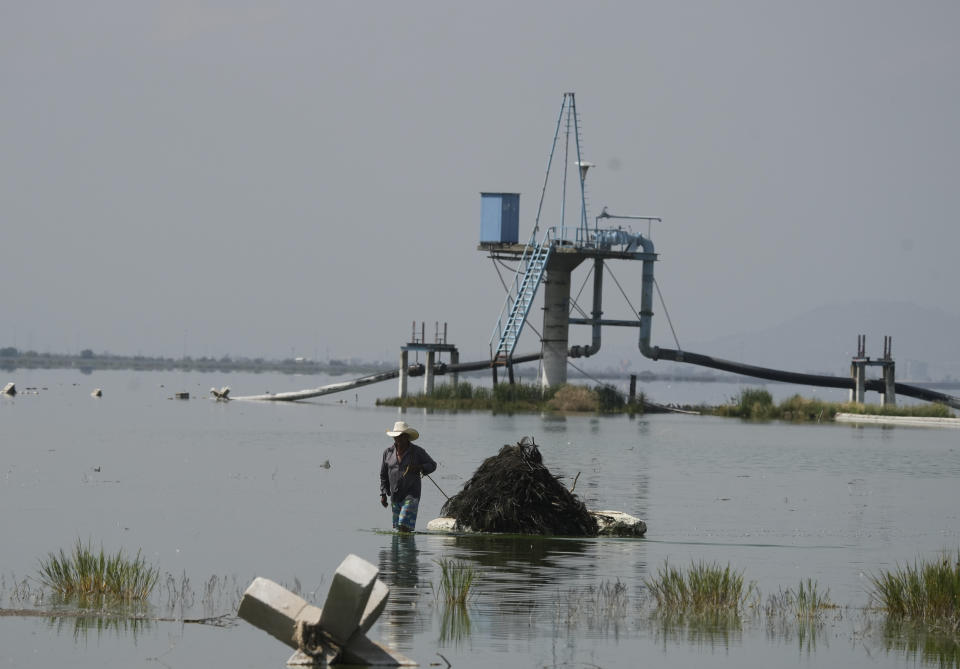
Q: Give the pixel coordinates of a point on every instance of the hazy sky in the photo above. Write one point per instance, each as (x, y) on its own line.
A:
(303, 178)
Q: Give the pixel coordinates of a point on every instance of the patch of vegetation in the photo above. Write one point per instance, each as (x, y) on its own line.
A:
(86, 573)
(927, 593)
(574, 398)
(804, 603)
(504, 398)
(703, 588)
(757, 404)
(602, 607)
(609, 399)
(520, 397)
(752, 403)
(929, 410)
(456, 581)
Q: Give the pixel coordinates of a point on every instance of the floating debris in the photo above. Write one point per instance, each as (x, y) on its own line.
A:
(514, 492)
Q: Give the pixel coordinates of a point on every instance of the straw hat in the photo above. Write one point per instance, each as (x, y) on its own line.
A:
(401, 427)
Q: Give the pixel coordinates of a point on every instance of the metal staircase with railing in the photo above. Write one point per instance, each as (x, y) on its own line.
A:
(513, 316)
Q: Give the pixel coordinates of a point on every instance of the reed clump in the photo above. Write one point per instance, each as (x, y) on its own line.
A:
(456, 581)
(87, 573)
(806, 603)
(574, 398)
(702, 588)
(928, 593)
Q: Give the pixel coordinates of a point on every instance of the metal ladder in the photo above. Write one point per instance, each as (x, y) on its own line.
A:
(533, 263)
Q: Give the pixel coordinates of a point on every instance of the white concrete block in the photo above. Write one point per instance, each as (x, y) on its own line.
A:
(272, 608)
(375, 605)
(347, 600)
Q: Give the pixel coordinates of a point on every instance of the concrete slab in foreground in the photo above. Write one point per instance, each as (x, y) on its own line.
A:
(335, 634)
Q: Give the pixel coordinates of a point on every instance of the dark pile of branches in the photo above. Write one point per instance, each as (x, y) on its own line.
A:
(514, 492)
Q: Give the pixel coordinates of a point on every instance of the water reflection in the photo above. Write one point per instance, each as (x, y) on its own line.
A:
(805, 631)
(554, 422)
(920, 644)
(82, 626)
(454, 624)
(519, 577)
(534, 557)
(702, 630)
(400, 569)
(603, 610)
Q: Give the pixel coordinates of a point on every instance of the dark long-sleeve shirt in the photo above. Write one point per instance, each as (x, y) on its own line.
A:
(401, 479)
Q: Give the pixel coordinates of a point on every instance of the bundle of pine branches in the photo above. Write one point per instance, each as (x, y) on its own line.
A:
(514, 492)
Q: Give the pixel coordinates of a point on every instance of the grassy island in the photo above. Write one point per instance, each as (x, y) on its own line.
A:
(506, 398)
(751, 404)
(758, 404)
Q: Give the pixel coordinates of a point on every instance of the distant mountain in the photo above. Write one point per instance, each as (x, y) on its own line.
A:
(926, 342)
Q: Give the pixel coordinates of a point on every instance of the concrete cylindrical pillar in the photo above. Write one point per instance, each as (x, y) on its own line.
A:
(556, 325)
(889, 385)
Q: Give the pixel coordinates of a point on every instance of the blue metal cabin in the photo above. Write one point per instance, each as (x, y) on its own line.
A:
(499, 218)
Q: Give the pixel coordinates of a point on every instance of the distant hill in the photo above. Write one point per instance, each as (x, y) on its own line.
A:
(926, 342)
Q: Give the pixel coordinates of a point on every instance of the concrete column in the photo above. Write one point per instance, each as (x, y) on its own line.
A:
(455, 360)
(428, 373)
(889, 385)
(556, 326)
(404, 357)
(859, 371)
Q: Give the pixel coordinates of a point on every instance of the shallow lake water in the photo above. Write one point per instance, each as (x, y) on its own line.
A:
(285, 491)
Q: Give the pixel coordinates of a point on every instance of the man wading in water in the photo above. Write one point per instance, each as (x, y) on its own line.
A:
(400, 470)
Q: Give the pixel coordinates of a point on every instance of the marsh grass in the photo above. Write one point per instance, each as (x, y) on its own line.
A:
(806, 602)
(507, 398)
(503, 398)
(456, 581)
(574, 398)
(927, 593)
(757, 404)
(703, 588)
(85, 573)
(602, 607)
(20, 591)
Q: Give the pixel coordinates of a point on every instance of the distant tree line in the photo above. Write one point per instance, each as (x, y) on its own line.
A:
(11, 358)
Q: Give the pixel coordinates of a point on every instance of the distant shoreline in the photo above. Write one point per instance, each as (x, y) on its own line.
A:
(89, 362)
